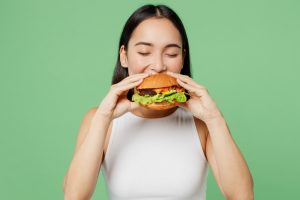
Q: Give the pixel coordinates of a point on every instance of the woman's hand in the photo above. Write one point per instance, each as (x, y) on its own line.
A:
(115, 103)
(200, 104)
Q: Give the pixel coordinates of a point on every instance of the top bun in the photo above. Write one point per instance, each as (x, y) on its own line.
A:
(158, 81)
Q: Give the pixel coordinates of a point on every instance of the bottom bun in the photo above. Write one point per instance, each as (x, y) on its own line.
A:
(161, 106)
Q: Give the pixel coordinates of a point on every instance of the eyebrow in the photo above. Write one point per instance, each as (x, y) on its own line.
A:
(150, 44)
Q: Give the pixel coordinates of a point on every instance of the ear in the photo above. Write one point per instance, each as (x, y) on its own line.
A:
(123, 57)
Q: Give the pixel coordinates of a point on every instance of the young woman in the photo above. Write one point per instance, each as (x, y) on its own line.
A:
(150, 154)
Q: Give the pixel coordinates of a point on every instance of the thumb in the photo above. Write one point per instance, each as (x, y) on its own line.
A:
(184, 106)
(133, 106)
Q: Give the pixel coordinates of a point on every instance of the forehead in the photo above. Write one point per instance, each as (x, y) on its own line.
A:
(160, 31)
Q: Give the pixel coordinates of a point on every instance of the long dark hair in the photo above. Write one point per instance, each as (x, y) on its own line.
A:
(141, 14)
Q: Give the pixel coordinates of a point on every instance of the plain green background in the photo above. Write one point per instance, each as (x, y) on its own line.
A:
(56, 62)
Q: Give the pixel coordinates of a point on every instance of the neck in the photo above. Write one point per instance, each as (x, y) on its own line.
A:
(148, 113)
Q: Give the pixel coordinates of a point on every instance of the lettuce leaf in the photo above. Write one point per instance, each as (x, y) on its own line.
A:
(169, 96)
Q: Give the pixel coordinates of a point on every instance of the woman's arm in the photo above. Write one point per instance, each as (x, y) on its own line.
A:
(227, 162)
(81, 178)
(82, 175)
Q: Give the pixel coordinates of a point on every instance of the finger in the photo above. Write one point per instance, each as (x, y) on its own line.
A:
(133, 106)
(186, 79)
(190, 88)
(125, 87)
(184, 106)
(136, 76)
(131, 79)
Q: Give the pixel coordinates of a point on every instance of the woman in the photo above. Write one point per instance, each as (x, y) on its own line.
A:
(149, 154)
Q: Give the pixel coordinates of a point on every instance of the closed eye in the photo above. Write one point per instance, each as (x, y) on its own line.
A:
(172, 55)
(143, 54)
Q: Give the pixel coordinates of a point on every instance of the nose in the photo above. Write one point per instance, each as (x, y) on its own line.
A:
(158, 64)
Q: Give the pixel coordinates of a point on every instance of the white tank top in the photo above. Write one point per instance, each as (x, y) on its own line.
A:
(155, 159)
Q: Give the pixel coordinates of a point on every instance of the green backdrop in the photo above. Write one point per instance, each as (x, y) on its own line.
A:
(56, 62)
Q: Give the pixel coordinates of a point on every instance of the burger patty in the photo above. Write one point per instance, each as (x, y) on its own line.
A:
(147, 92)
(155, 91)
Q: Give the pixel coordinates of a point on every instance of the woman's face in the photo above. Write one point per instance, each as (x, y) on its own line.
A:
(155, 46)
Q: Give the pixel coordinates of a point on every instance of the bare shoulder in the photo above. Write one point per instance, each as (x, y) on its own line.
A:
(202, 133)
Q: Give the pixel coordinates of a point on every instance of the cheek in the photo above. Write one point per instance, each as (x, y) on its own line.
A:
(137, 64)
(174, 65)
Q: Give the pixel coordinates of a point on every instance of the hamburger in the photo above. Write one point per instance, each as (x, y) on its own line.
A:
(159, 92)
